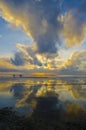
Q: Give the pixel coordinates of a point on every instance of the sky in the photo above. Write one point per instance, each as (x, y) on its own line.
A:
(43, 35)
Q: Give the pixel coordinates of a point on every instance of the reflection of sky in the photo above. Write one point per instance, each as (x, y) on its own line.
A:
(24, 94)
(6, 99)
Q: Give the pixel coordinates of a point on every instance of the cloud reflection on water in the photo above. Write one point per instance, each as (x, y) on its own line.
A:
(44, 94)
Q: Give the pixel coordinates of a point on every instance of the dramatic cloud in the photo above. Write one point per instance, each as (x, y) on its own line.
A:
(49, 24)
(44, 21)
(76, 63)
(27, 55)
(39, 19)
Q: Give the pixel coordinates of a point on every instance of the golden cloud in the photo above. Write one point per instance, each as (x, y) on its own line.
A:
(77, 62)
(74, 31)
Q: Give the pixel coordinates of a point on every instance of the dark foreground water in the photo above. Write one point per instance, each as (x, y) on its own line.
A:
(55, 101)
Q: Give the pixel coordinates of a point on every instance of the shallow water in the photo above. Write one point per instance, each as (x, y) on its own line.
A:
(43, 94)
